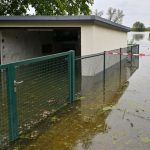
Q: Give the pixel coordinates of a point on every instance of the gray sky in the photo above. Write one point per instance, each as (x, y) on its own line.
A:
(134, 10)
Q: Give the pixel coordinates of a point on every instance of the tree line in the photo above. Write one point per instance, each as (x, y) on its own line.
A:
(139, 27)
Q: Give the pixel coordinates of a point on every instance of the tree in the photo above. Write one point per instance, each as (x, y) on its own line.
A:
(138, 26)
(111, 13)
(115, 15)
(98, 13)
(13, 7)
(45, 7)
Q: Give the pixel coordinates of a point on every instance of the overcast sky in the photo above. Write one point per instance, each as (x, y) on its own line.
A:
(134, 10)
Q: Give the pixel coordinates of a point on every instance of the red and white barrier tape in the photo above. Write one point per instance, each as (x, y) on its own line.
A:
(127, 54)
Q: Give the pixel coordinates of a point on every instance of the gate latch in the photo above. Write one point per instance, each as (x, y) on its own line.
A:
(17, 82)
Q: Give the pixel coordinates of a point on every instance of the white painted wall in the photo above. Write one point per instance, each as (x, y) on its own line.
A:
(108, 39)
(96, 39)
(87, 39)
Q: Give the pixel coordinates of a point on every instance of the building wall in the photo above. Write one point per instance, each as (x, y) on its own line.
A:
(39, 24)
(19, 45)
(96, 39)
(87, 39)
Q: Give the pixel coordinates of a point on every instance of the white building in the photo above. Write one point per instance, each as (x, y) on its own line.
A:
(31, 36)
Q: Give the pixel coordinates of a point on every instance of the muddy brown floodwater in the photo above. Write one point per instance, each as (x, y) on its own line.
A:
(114, 118)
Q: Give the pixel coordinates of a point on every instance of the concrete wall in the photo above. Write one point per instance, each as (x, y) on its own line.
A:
(96, 39)
(19, 45)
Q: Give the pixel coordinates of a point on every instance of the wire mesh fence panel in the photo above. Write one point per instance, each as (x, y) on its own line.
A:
(91, 81)
(92, 72)
(78, 70)
(112, 59)
(39, 87)
(129, 58)
(42, 89)
(135, 59)
(112, 83)
(125, 64)
(4, 130)
(114, 73)
(135, 49)
(124, 57)
(112, 64)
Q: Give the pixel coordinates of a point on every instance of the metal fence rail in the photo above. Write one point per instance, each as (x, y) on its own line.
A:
(33, 89)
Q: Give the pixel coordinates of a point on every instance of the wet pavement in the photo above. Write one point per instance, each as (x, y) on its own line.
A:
(116, 117)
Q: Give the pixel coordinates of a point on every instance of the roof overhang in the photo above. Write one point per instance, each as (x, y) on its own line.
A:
(8, 21)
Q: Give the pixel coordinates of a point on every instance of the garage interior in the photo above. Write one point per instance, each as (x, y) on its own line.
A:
(24, 43)
(18, 44)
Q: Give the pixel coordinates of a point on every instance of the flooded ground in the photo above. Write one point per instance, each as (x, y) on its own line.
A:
(110, 115)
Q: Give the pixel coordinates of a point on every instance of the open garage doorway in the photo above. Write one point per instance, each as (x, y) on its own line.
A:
(24, 43)
(56, 40)
(18, 44)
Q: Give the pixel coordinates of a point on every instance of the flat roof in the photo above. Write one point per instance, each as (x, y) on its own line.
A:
(77, 19)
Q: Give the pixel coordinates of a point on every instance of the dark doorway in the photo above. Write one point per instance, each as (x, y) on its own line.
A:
(61, 40)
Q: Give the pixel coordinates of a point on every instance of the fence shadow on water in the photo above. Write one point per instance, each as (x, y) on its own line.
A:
(45, 86)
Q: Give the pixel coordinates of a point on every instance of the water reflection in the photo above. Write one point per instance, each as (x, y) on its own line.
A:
(76, 126)
(138, 37)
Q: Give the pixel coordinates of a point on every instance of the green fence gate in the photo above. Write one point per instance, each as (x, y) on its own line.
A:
(31, 90)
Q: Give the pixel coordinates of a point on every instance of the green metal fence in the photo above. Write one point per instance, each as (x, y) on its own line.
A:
(33, 89)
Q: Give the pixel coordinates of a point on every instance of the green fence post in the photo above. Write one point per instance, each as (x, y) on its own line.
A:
(120, 59)
(120, 64)
(131, 55)
(71, 68)
(104, 65)
(11, 102)
(104, 76)
(138, 48)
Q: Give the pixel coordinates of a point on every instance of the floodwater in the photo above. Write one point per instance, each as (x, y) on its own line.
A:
(110, 115)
